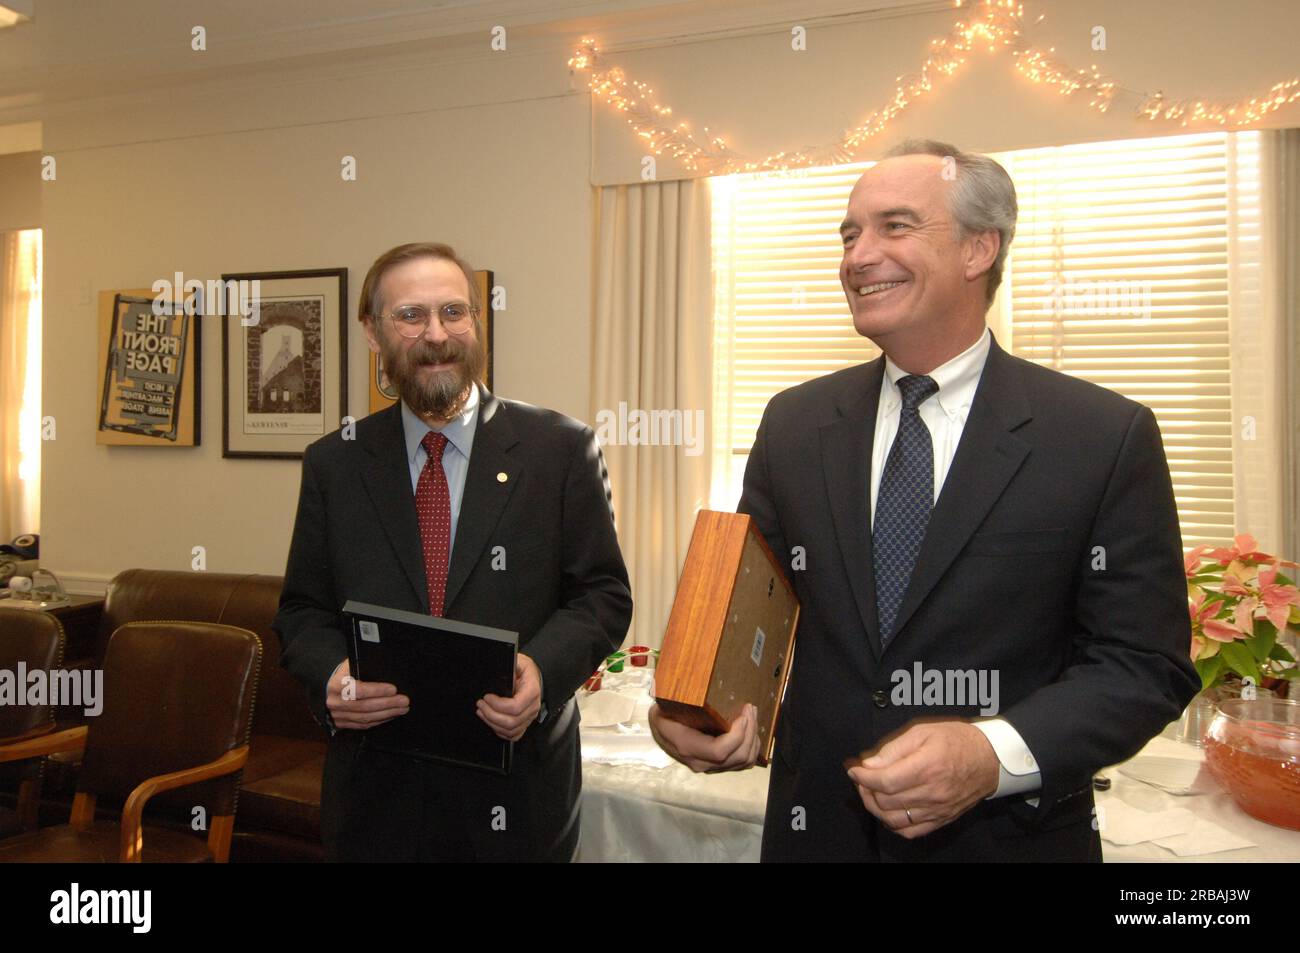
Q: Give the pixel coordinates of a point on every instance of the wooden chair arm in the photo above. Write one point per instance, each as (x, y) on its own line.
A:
(70, 739)
(36, 732)
(133, 811)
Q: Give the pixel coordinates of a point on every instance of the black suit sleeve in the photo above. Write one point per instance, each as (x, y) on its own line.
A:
(312, 640)
(756, 497)
(595, 605)
(1129, 673)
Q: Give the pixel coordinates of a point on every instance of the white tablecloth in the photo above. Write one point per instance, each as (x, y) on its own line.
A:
(634, 812)
(1272, 843)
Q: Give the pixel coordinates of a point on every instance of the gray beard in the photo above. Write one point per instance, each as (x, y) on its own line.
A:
(446, 391)
(443, 396)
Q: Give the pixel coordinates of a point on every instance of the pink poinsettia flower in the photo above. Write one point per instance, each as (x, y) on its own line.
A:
(1242, 549)
(1203, 648)
(1243, 615)
(1192, 561)
(1237, 578)
(1203, 617)
(1276, 599)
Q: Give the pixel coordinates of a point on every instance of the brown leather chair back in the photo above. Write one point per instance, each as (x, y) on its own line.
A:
(36, 639)
(176, 695)
(246, 600)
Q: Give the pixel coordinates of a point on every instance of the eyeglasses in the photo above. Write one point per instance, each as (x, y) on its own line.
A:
(412, 320)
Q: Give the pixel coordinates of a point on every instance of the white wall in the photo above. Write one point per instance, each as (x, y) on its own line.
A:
(251, 182)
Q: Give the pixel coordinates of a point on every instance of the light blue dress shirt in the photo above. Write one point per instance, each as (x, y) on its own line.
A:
(455, 456)
(455, 462)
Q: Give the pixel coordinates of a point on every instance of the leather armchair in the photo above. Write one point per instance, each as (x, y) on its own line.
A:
(177, 714)
(35, 640)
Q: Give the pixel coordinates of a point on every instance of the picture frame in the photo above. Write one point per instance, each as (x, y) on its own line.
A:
(284, 361)
(150, 357)
(382, 394)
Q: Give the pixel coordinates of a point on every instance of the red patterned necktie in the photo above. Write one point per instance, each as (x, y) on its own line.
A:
(433, 507)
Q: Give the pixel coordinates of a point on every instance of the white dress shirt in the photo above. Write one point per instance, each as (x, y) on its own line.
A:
(944, 415)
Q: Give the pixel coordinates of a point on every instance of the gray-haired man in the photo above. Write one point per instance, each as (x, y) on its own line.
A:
(966, 518)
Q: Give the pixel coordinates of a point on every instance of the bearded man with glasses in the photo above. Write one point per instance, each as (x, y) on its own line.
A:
(456, 503)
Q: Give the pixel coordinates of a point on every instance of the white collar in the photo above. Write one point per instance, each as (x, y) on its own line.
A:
(957, 378)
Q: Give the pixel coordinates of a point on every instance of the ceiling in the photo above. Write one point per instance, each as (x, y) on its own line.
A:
(83, 49)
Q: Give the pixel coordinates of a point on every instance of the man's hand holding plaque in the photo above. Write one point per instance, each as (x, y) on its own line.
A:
(360, 705)
(734, 750)
(727, 650)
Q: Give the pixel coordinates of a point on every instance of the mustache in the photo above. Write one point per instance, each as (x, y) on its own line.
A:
(426, 352)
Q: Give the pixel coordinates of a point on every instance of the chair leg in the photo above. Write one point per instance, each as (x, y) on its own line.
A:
(83, 811)
(29, 803)
(219, 836)
(131, 846)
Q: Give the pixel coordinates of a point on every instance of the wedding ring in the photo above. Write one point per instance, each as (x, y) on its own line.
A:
(909, 816)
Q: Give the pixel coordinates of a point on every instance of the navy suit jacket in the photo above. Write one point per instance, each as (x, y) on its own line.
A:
(1053, 557)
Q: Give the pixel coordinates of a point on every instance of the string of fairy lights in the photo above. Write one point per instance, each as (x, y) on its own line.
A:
(993, 24)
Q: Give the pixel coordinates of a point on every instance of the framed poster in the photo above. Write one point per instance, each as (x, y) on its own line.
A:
(284, 365)
(382, 393)
(149, 358)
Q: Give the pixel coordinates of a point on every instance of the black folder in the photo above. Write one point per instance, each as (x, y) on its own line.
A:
(444, 667)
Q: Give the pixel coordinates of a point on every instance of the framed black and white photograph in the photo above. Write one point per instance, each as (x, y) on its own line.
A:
(283, 360)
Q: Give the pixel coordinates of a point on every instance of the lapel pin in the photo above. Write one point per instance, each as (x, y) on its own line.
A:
(501, 477)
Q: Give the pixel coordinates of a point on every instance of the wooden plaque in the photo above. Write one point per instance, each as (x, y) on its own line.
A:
(730, 637)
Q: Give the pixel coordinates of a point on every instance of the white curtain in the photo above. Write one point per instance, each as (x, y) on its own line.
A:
(651, 389)
(20, 382)
(1263, 290)
(1282, 167)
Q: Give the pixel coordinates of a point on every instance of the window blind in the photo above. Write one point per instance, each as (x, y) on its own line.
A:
(1118, 274)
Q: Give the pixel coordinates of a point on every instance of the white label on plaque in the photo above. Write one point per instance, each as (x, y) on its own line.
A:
(369, 631)
(756, 654)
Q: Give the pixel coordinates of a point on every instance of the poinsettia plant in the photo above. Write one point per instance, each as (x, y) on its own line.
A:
(1240, 602)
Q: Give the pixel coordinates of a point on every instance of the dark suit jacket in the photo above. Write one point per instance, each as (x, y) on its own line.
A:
(1091, 662)
(564, 589)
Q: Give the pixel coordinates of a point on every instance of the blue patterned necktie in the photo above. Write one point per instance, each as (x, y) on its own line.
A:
(903, 503)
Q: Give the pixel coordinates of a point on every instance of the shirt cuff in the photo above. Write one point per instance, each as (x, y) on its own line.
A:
(544, 712)
(1017, 768)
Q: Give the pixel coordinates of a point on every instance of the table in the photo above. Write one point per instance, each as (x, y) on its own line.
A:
(1274, 844)
(641, 814)
(634, 812)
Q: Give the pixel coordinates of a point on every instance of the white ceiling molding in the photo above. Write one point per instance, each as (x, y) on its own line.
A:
(75, 53)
